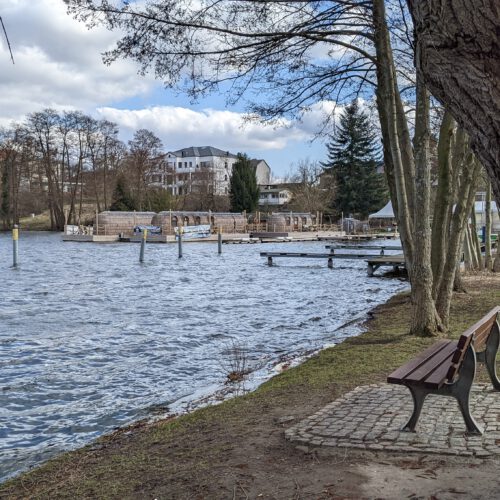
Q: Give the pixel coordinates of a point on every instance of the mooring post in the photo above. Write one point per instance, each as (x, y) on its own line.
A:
(269, 260)
(219, 240)
(15, 245)
(330, 263)
(143, 244)
(179, 241)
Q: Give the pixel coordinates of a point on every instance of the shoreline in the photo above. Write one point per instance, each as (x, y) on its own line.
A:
(211, 395)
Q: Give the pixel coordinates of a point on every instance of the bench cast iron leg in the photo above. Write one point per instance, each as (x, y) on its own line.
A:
(418, 396)
(461, 390)
(491, 354)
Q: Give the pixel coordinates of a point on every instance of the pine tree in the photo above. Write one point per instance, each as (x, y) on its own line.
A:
(243, 189)
(353, 154)
(122, 199)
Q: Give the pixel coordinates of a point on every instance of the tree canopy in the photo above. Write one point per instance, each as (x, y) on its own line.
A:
(353, 157)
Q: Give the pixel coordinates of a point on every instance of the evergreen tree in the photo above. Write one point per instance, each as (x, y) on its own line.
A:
(122, 199)
(243, 189)
(353, 154)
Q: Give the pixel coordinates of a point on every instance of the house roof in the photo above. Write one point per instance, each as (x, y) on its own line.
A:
(201, 151)
(254, 162)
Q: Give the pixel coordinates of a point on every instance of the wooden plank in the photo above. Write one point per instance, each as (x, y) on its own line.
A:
(344, 256)
(482, 334)
(439, 376)
(365, 247)
(433, 363)
(489, 316)
(397, 376)
(463, 343)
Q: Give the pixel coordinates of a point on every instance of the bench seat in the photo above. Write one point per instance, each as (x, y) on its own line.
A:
(448, 368)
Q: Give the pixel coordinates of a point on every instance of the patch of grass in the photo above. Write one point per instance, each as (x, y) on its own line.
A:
(191, 456)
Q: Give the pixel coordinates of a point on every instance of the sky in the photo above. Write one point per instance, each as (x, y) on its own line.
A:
(58, 65)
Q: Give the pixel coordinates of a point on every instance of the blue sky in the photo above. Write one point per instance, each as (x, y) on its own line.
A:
(58, 65)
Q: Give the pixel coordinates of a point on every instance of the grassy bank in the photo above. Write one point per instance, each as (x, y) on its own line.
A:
(237, 449)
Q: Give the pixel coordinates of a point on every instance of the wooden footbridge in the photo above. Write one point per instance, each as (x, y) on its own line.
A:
(373, 261)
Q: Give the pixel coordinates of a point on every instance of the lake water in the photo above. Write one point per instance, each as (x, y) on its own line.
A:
(90, 339)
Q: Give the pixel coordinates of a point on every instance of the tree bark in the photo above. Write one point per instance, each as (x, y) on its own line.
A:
(459, 54)
(444, 195)
(487, 239)
(425, 321)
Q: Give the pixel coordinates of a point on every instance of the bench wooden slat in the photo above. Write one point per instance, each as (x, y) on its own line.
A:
(478, 327)
(443, 357)
(399, 374)
(439, 376)
(456, 361)
(482, 335)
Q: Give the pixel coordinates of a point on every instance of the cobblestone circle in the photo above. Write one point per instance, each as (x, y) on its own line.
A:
(371, 418)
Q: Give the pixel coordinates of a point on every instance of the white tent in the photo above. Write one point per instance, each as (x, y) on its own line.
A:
(384, 213)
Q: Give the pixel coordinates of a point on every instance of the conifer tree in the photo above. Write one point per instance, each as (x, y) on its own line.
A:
(243, 189)
(122, 199)
(353, 154)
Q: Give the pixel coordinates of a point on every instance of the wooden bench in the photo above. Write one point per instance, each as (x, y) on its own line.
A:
(448, 368)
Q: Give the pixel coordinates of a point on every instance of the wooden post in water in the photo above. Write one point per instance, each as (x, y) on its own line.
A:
(179, 241)
(219, 241)
(15, 245)
(143, 244)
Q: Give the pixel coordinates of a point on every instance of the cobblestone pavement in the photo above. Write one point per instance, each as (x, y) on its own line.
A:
(371, 417)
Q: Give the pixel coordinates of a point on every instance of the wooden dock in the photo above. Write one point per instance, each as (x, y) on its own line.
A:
(395, 261)
(374, 262)
(380, 248)
(362, 237)
(305, 255)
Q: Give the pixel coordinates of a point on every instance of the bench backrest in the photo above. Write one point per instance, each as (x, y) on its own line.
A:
(477, 335)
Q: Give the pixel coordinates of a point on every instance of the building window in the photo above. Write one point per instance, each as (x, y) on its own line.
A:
(225, 177)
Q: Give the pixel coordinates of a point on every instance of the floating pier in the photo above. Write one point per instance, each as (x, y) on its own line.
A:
(305, 255)
(362, 237)
(380, 248)
(397, 262)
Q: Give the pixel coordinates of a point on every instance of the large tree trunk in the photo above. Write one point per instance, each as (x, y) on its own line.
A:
(425, 319)
(444, 199)
(487, 239)
(390, 115)
(459, 55)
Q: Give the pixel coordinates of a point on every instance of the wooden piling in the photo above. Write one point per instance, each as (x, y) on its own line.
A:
(143, 244)
(15, 245)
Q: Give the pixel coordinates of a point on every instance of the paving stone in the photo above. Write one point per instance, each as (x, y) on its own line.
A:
(371, 417)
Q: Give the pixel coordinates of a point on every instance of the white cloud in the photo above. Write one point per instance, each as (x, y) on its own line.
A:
(58, 62)
(181, 127)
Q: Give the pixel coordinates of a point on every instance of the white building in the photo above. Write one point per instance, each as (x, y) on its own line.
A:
(262, 171)
(274, 195)
(195, 169)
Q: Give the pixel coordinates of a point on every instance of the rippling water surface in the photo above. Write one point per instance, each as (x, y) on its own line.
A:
(90, 339)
